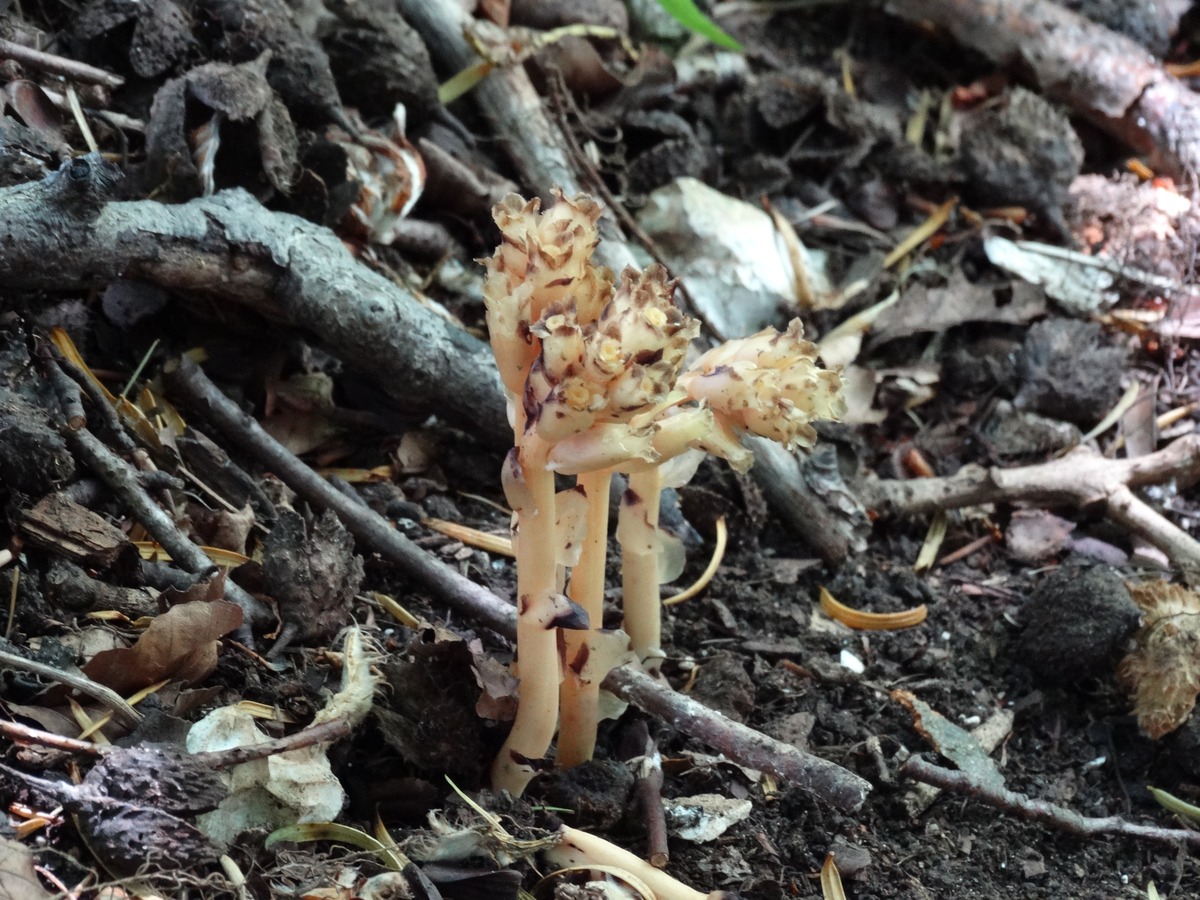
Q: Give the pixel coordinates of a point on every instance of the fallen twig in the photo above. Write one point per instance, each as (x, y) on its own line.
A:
(321, 733)
(121, 710)
(1082, 478)
(742, 744)
(1108, 77)
(823, 779)
(57, 65)
(1040, 810)
(122, 479)
(640, 751)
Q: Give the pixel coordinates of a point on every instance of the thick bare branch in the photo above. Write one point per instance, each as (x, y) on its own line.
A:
(59, 234)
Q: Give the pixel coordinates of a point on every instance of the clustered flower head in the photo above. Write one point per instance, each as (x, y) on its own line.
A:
(594, 372)
(584, 357)
(767, 384)
(543, 259)
(593, 379)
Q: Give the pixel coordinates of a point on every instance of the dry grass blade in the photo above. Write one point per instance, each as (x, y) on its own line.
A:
(472, 537)
(710, 570)
(921, 233)
(831, 880)
(869, 621)
(933, 542)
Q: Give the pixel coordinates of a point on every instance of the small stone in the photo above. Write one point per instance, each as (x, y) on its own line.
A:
(1077, 623)
(851, 859)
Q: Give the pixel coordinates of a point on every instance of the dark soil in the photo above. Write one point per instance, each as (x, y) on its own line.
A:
(972, 366)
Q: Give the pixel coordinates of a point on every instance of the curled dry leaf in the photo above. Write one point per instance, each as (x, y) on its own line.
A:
(311, 568)
(1163, 671)
(237, 109)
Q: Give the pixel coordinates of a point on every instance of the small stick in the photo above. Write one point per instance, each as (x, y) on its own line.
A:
(967, 549)
(108, 697)
(23, 734)
(69, 396)
(100, 403)
(1042, 811)
(57, 65)
(322, 733)
(753, 749)
(642, 753)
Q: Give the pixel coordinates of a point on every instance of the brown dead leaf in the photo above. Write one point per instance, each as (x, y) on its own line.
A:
(299, 411)
(181, 645)
(498, 687)
(1163, 671)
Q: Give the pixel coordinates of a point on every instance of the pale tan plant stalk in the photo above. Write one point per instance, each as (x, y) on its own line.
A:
(637, 532)
(537, 642)
(538, 258)
(581, 359)
(767, 384)
(579, 701)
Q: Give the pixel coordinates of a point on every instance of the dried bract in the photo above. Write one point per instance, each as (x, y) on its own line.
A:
(1163, 671)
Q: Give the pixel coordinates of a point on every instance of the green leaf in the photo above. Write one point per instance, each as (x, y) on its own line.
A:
(1174, 804)
(687, 15)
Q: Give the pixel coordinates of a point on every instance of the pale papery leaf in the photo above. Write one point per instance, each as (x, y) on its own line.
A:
(1163, 671)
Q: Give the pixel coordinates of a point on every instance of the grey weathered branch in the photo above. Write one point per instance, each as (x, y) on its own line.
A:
(58, 65)
(1081, 479)
(511, 105)
(1106, 76)
(1042, 811)
(59, 234)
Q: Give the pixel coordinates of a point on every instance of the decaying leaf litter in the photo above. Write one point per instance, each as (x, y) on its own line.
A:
(270, 254)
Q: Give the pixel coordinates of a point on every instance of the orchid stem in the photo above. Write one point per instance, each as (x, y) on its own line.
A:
(537, 638)
(579, 702)
(638, 534)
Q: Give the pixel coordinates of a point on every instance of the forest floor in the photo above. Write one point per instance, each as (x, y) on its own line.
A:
(997, 249)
